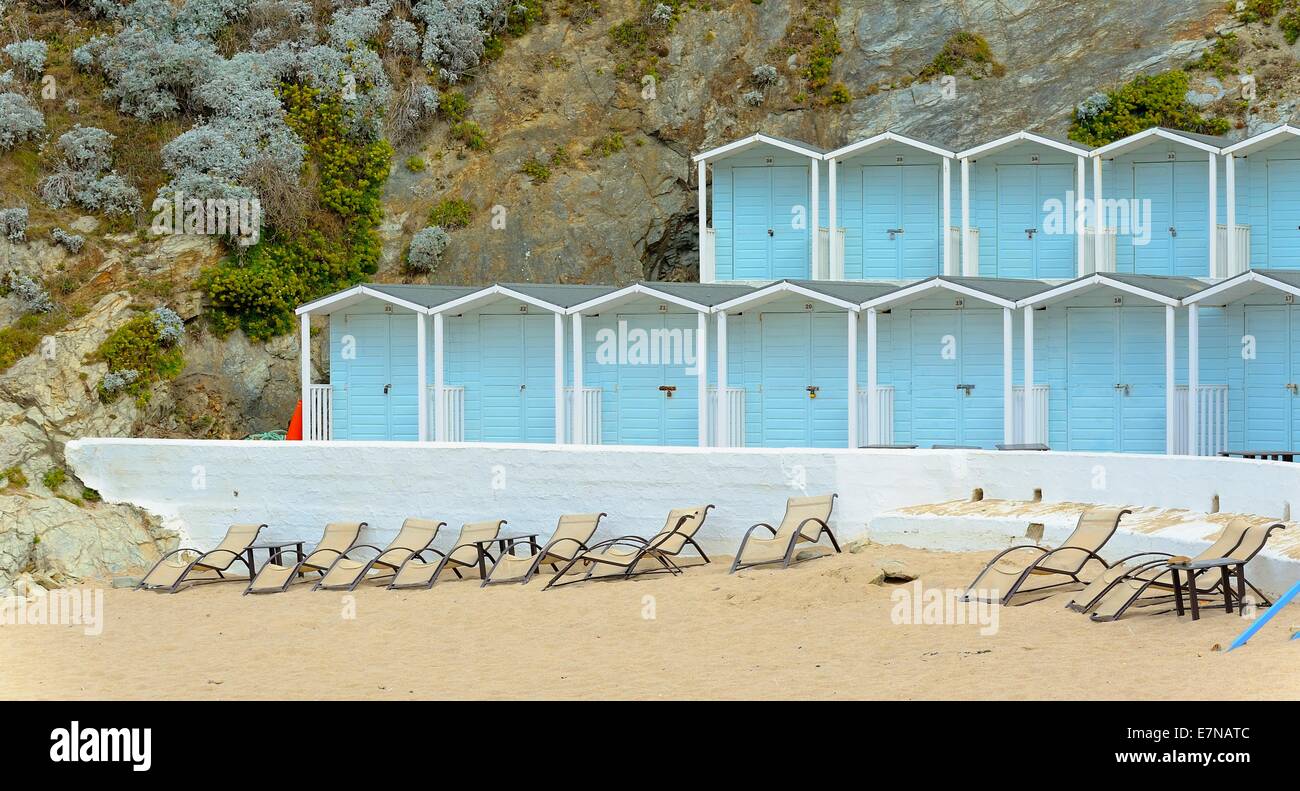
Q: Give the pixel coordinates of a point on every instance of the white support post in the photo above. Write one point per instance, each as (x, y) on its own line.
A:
(1077, 214)
(1008, 380)
(304, 361)
(422, 374)
(1193, 375)
(873, 397)
(1171, 431)
(439, 380)
(947, 214)
(708, 271)
(1028, 412)
(1214, 212)
(835, 268)
(1098, 217)
(853, 378)
(702, 371)
(1230, 197)
(559, 379)
(723, 413)
(965, 218)
(579, 416)
(815, 220)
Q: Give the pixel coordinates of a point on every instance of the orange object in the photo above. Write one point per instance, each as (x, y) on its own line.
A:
(295, 424)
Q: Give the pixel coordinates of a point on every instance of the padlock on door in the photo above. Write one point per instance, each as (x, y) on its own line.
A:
(812, 390)
(668, 390)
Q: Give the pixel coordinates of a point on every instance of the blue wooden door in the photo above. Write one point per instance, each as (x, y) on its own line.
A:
(1268, 404)
(657, 381)
(539, 378)
(802, 351)
(1025, 247)
(382, 397)
(1191, 253)
(1284, 213)
(1115, 388)
(956, 377)
(1153, 188)
(1092, 420)
(517, 378)
(881, 218)
(772, 222)
(921, 254)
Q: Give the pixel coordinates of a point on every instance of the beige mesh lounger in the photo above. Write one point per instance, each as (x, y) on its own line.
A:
(569, 539)
(625, 552)
(346, 573)
(806, 519)
(999, 584)
(417, 572)
(170, 572)
(1144, 583)
(337, 539)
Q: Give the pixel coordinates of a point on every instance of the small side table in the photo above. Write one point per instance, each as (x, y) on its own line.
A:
(506, 545)
(1227, 568)
(274, 551)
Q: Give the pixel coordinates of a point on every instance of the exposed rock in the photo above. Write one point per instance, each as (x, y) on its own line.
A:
(85, 224)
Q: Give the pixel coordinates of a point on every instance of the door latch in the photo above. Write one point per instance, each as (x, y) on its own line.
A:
(668, 390)
(1029, 232)
(523, 387)
(812, 390)
(966, 388)
(1173, 231)
(387, 388)
(1125, 389)
(1293, 387)
(894, 233)
(770, 232)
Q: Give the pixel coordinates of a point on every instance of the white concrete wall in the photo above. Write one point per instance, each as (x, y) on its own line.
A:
(200, 487)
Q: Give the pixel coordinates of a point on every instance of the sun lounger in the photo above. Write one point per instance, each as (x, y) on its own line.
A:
(625, 552)
(346, 573)
(571, 537)
(337, 539)
(417, 572)
(805, 520)
(1004, 578)
(1145, 579)
(170, 572)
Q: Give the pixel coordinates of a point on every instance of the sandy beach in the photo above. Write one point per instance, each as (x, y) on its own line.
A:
(820, 630)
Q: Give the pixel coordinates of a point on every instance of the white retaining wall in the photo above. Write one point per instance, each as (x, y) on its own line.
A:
(201, 486)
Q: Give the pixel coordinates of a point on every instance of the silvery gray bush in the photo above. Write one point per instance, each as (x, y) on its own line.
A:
(30, 294)
(71, 242)
(764, 75)
(28, 55)
(752, 98)
(80, 178)
(19, 120)
(169, 325)
(116, 381)
(427, 247)
(13, 224)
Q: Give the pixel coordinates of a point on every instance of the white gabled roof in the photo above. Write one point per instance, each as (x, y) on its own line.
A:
(1263, 140)
(1245, 284)
(491, 294)
(632, 292)
(1001, 292)
(1164, 290)
(351, 296)
(784, 287)
(1207, 143)
(885, 138)
(737, 146)
(1025, 136)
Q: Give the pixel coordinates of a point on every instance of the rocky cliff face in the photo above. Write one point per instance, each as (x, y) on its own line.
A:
(583, 175)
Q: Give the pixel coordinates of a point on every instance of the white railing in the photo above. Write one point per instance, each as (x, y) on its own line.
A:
(825, 262)
(954, 250)
(317, 413)
(1038, 409)
(453, 408)
(589, 406)
(709, 257)
(1239, 237)
(734, 436)
(1090, 262)
(884, 415)
(1211, 419)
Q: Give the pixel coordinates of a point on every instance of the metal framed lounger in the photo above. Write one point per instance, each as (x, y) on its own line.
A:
(625, 552)
(1150, 583)
(1094, 528)
(417, 572)
(337, 539)
(169, 573)
(571, 537)
(805, 520)
(346, 574)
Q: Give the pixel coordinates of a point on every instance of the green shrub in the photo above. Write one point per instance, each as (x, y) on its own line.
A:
(415, 164)
(840, 94)
(1220, 58)
(54, 478)
(1290, 25)
(471, 134)
(90, 495)
(453, 105)
(1146, 101)
(535, 170)
(1257, 10)
(137, 347)
(451, 213)
(21, 338)
(14, 478)
(605, 146)
(964, 53)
